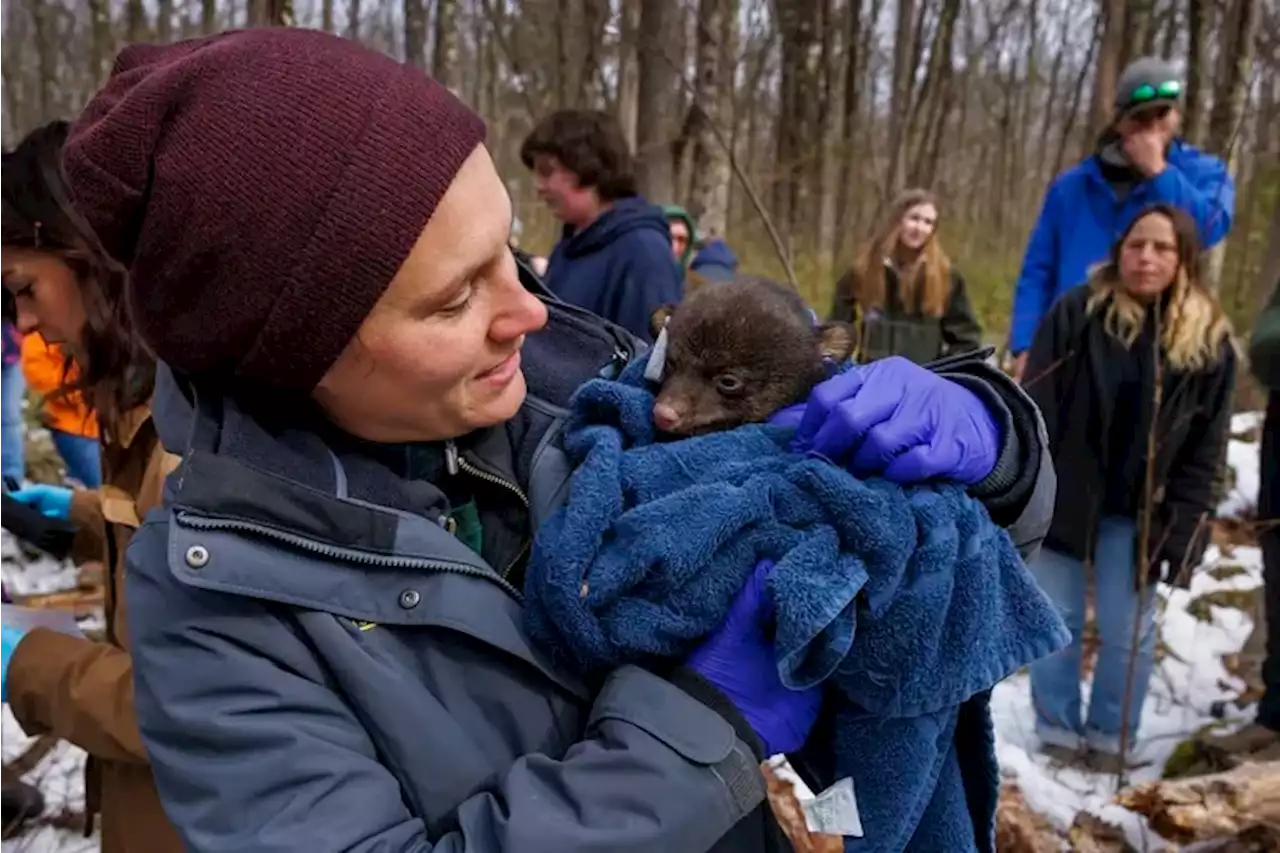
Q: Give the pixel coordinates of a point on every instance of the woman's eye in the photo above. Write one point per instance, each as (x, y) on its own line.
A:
(727, 383)
(459, 305)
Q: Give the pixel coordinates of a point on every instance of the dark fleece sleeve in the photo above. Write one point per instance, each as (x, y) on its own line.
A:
(759, 831)
(1020, 490)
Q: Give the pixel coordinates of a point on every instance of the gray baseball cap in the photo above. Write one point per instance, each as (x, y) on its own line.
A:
(1146, 82)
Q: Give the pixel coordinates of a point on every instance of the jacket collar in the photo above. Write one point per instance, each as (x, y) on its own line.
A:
(128, 425)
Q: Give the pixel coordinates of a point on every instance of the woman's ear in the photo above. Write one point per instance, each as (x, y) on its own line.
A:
(837, 341)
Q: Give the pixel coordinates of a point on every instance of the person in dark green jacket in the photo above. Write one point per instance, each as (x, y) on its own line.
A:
(927, 317)
(1263, 734)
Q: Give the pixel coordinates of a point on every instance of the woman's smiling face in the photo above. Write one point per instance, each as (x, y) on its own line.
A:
(439, 354)
(918, 225)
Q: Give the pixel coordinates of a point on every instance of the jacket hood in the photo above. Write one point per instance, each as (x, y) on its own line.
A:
(626, 215)
(715, 261)
(675, 211)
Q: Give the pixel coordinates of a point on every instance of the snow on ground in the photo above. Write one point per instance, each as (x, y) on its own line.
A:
(1182, 691)
(60, 775)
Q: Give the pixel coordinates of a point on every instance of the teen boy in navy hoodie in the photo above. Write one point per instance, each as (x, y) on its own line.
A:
(614, 254)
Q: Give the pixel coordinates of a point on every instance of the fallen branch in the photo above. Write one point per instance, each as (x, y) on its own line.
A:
(1208, 808)
(1091, 834)
(81, 602)
(32, 755)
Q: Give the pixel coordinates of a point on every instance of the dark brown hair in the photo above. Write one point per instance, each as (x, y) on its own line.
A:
(933, 267)
(588, 143)
(114, 373)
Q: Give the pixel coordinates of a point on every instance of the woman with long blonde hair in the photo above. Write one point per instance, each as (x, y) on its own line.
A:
(1144, 317)
(902, 293)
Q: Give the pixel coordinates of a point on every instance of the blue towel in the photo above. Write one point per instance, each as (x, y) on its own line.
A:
(908, 603)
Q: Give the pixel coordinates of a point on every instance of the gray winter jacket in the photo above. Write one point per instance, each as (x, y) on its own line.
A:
(321, 666)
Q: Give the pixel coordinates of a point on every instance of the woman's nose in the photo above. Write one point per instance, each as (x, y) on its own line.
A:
(519, 313)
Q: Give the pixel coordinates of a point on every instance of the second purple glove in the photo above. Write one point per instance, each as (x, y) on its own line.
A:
(895, 419)
(739, 661)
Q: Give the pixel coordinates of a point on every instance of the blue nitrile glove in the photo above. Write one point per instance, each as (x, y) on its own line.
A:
(49, 501)
(739, 660)
(895, 419)
(9, 639)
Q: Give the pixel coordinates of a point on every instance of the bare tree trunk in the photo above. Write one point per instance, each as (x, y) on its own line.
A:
(415, 33)
(851, 108)
(1240, 26)
(900, 94)
(1139, 36)
(928, 104)
(135, 21)
(269, 13)
(1193, 118)
(822, 211)
(659, 78)
(595, 14)
(1269, 269)
(565, 90)
(1239, 34)
(1110, 56)
(1169, 27)
(1051, 102)
(709, 196)
(209, 16)
(42, 22)
(444, 53)
(326, 16)
(102, 44)
(629, 69)
(164, 21)
(353, 20)
(796, 122)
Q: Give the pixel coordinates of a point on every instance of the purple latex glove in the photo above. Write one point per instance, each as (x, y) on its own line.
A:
(895, 419)
(739, 660)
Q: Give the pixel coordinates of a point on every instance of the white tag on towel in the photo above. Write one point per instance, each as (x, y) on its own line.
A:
(657, 358)
(834, 811)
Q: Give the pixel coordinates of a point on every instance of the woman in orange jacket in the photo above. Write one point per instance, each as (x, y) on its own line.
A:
(70, 422)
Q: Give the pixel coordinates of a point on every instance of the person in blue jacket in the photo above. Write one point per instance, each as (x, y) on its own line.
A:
(1139, 161)
(614, 254)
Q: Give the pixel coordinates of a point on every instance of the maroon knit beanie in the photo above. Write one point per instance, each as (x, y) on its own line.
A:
(263, 187)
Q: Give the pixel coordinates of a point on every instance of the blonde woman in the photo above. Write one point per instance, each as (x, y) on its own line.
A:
(902, 293)
(1092, 368)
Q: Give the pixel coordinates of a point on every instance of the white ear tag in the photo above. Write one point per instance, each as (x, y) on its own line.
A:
(657, 358)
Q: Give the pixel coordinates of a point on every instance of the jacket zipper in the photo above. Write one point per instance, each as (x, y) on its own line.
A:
(336, 552)
(454, 462)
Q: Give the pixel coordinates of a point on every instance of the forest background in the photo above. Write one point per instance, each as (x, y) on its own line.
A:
(796, 117)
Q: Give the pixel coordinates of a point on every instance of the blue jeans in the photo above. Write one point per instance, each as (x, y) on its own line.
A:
(1055, 680)
(81, 457)
(12, 452)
